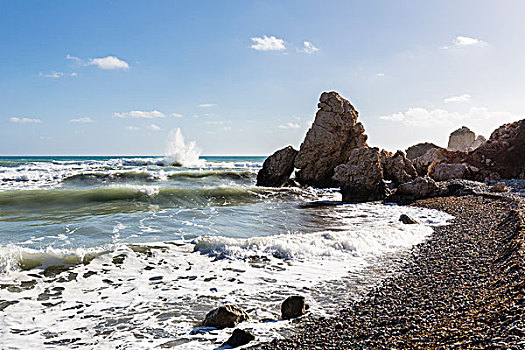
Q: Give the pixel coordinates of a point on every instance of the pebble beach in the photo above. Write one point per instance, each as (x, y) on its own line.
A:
(461, 288)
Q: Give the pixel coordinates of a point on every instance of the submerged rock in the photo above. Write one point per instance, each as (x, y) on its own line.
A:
(239, 337)
(226, 316)
(277, 168)
(407, 220)
(461, 139)
(294, 306)
(361, 177)
(328, 143)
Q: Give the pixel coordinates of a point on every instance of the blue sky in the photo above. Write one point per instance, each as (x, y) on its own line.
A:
(244, 77)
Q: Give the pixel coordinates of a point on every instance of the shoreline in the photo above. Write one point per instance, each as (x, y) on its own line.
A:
(462, 287)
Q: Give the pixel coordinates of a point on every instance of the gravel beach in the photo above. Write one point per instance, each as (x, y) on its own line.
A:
(462, 288)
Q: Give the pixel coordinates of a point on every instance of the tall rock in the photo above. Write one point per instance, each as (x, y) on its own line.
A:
(333, 135)
(277, 168)
(461, 139)
(361, 177)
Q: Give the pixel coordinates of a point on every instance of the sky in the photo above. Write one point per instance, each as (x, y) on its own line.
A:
(244, 77)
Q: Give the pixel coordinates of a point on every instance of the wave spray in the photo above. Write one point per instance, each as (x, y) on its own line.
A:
(178, 153)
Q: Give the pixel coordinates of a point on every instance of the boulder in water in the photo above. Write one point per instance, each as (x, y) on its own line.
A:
(328, 143)
(239, 337)
(407, 220)
(277, 168)
(226, 316)
(294, 306)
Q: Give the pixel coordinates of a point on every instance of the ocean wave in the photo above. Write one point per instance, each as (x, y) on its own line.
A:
(169, 196)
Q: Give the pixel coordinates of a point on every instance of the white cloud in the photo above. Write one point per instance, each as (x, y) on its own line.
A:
(140, 114)
(440, 117)
(74, 58)
(380, 75)
(109, 62)
(463, 41)
(54, 75)
(289, 125)
(207, 105)
(74, 74)
(131, 128)
(268, 44)
(227, 128)
(25, 120)
(214, 122)
(176, 115)
(154, 127)
(83, 120)
(309, 48)
(460, 98)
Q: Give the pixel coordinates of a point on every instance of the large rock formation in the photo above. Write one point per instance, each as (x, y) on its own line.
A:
(361, 177)
(397, 167)
(477, 142)
(503, 154)
(420, 149)
(461, 139)
(277, 168)
(328, 143)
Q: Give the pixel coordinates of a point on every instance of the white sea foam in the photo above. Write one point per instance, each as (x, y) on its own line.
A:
(143, 296)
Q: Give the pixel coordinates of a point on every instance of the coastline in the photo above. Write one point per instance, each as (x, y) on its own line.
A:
(463, 287)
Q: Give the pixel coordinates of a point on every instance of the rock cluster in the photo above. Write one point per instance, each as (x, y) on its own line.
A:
(334, 153)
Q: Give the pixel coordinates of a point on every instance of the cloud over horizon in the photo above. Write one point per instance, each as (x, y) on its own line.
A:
(140, 114)
(107, 63)
(289, 125)
(25, 120)
(309, 48)
(422, 117)
(154, 127)
(268, 43)
(460, 98)
(83, 120)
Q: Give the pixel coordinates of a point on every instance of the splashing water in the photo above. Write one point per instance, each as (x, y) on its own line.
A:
(178, 153)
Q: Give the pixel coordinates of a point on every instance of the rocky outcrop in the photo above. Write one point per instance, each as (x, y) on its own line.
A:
(503, 153)
(461, 139)
(294, 306)
(361, 177)
(328, 143)
(420, 149)
(477, 142)
(422, 163)
(397, 167)
(226, 316)
(277, 168)
(421, 187)
(445, 171)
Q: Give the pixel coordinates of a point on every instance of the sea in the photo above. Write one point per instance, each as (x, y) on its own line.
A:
(132, 252)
